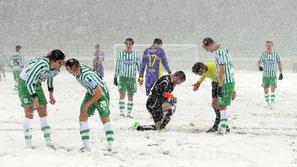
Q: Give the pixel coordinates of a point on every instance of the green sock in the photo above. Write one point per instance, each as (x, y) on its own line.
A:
(130, 106)
(122, 105)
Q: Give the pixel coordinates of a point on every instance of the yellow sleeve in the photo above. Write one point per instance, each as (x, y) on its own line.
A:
(201, 79)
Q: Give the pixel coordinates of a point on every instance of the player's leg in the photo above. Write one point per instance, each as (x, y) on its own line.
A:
(84, 126)
(1, 71)
(132, 88)
(122, 87)
(266, 85)
(4, 75)
(273, 84)
(27, 126)
(104, 112)
(42, 112)
(27, 104)
(224, 101)
(215, 105)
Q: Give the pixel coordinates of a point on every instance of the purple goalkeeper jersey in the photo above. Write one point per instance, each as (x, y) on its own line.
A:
(98, 63)
(153, 61)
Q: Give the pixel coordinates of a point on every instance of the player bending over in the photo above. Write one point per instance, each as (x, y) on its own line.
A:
(31, 94)
(226, 79)
(161, 104)
(96, 98)
(208, 70)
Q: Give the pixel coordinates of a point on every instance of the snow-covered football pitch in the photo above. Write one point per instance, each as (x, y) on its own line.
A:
(260, 135)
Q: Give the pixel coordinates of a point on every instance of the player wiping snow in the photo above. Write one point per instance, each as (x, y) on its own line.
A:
(161, 104)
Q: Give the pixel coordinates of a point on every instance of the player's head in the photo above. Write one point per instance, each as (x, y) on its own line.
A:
(158, 42)
(269, 45)
(129, 42)
(56, 58)
(18, 48)
(199, 68)
(97, 47)
(178, 77)
(208, 44)
(72, 66)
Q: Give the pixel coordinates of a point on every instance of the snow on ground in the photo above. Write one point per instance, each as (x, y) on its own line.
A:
(260, 136)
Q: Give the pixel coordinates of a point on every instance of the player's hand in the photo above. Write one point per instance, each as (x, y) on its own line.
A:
(281, 77)
(196, 86)
(234, 95)
(36, 104)
(140, 81)
(52, 99)
(115, 81)
(261, 68)
(83, 116)
(219, 91)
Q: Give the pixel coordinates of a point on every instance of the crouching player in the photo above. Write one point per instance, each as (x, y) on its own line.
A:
(97, 97)
(161, 104)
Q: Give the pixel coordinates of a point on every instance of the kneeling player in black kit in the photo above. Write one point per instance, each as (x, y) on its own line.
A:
(161, 104)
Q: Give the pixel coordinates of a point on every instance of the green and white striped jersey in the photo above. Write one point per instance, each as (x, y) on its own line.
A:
(16, 61)
(89, 79)
(223, 57)
(36, 71)
(269, 63)
(127, 64)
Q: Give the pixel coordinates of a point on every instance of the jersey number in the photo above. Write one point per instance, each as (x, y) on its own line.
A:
(152, 59)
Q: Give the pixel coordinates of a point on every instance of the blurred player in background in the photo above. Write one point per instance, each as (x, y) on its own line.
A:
(270, 59)
(127, 66)
(2, 65)
(98, 61)
(153, 61)
(16, 62)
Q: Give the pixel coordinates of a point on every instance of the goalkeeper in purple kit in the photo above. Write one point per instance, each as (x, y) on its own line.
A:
(153, 61)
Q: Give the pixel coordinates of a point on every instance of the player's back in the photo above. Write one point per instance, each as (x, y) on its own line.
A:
(153, 57)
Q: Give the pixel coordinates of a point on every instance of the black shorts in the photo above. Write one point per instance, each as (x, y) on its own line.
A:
(214, 89)
(154, 107)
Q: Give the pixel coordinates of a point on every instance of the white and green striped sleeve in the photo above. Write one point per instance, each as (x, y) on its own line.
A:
(138, 61)
(38, 68)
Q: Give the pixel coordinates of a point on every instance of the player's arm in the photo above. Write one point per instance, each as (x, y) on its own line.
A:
(198, 83)
(165, 61)
(51, 90)
(22, 61)
(143, 64)
(280, 68)
(98, 94)
(260, 61)
(9, 62)
(221, 75)
(117, 70)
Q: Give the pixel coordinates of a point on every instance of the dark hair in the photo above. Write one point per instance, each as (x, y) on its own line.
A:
(56, 55)
(158, 41)
(198, 67)
(181, 75)
(18, 47)
(207, 41)
(72, 63)
(129, 40)
(97, 45)
(269, 41)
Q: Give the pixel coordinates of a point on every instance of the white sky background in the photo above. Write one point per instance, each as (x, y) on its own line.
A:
(241, 25)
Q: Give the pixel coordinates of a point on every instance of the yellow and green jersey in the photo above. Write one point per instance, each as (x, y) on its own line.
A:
(210, 73)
